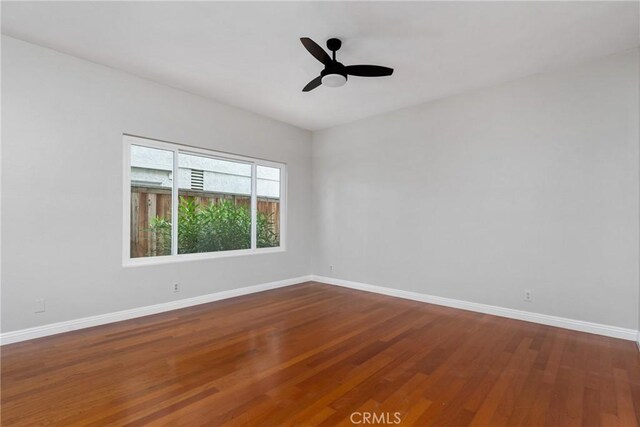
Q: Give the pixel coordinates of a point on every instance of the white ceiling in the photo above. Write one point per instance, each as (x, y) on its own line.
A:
(249, 54)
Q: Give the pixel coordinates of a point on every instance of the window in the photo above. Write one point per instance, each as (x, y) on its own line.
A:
(184, 203)
(268, 191)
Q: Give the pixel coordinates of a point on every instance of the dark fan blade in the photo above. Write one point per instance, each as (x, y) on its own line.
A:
(313, 84)
(368, 70)
(315, 50)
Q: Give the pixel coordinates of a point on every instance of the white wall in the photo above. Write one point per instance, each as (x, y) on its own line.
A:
(529, 184)
(63, 118)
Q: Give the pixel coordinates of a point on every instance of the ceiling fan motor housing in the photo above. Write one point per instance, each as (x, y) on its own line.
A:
(334, 75)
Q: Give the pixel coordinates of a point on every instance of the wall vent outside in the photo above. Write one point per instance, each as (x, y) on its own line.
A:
(197, 179)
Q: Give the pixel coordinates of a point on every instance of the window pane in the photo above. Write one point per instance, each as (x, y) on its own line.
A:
(151, 185)
(214, 211)
(268, 216)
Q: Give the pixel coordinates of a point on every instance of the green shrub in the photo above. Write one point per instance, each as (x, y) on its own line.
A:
(221, 226)
(161, 232)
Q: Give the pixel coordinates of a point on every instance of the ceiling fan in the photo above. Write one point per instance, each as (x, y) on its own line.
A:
(334, 73)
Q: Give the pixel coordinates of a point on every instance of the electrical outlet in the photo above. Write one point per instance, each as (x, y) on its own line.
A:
(331, 268)
(528, 295)
(39, 306)
(176, 287)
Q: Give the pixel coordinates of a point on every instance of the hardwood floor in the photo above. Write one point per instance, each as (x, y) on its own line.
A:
(315, 354)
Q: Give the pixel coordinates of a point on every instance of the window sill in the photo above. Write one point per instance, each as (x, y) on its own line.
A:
(170, 259)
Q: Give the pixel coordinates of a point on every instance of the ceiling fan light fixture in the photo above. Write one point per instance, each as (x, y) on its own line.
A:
(334, 80)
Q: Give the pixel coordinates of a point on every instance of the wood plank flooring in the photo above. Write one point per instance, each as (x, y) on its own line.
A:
(314, 354)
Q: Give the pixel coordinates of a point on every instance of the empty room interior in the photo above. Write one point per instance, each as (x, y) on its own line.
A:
(320, 213)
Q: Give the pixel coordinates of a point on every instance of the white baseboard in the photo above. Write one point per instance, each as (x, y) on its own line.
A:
(545, 319)
(87, 322)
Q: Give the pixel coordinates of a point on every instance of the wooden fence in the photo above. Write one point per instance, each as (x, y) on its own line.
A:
(150, 202)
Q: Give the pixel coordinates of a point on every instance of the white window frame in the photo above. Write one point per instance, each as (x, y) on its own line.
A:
(127, 261)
